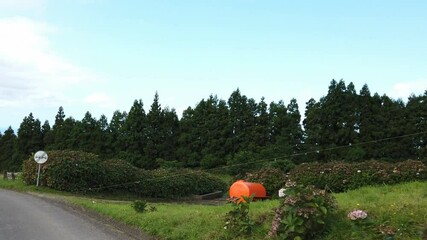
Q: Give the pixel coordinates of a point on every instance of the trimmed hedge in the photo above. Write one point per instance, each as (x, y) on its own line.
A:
(340, 176)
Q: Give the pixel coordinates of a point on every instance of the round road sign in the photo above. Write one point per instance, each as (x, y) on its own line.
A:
(40, 157)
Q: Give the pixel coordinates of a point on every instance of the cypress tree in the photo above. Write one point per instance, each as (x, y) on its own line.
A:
(135, 134)
(155, 133)
(242, 119)
(30, 138)
(8, 151)
(116, 129)
(416, 112)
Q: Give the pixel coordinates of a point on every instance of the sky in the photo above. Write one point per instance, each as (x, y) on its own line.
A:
(101, 55)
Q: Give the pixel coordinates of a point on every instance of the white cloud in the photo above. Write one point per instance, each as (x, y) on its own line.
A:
(31, 72)
(405, 89)
(100, 99)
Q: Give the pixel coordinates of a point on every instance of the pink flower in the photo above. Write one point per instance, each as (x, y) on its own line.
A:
(357, 214)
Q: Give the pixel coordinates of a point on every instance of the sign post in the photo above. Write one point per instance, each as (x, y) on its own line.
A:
(40, 157)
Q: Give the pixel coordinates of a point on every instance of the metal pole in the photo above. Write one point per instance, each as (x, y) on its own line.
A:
(38, 175)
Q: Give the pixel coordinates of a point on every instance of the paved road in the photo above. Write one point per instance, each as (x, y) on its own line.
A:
(26, 217)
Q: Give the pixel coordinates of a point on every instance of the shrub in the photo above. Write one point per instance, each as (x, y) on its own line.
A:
(29, 171)
(303, 213)
(166, 164)
(75, 172)
(139, 205)
(237, 221)
(284, 165)
(271, 178)
(340, 176)
(162, 183)
(120, 174)
(71, 171)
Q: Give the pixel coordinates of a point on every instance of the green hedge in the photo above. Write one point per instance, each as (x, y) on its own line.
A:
(163, 183)
(121, 175)
(271, 178)
(340, 176)
(70, 171)
(74, 171)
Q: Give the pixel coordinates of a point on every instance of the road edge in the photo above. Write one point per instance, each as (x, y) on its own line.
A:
(93, 216)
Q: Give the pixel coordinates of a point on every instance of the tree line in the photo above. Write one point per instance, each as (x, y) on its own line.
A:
(342, 125)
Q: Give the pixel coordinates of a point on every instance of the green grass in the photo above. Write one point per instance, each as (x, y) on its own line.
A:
(19, 185)
(401, 208)
(176, 221)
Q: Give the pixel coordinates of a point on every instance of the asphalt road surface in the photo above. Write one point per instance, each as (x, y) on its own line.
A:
(27, 217)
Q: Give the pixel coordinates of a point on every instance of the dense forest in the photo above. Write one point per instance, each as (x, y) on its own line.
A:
(343, 125)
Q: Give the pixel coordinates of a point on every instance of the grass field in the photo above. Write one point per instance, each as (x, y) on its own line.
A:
(400, 210)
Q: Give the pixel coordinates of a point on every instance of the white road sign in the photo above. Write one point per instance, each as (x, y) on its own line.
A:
(40, 157)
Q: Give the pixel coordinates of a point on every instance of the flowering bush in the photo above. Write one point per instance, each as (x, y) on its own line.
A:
(361, 224)
(282, 192)
(271, 178)
(340, 176)
(303, 212)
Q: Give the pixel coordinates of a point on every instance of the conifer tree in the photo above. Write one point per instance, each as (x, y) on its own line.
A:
(313, 131)
(103, 138)
(69, 134)
(86, 135)
(116, 129)
(260, 131)
(170, 129)
(189, 151)
(396, 124)
(204, 133)
(8, 151)
(155, 134)
(46, 134)
(416, 112)
(366, 123)
(59, 134)
(212, 118)
(278, 120)
(135, 134)
(242, 119)
(30, 138)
